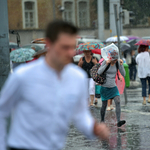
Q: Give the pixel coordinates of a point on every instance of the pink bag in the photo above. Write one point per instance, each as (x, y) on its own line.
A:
(120, 83)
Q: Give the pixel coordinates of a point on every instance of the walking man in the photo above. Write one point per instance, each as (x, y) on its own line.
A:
(45, 95)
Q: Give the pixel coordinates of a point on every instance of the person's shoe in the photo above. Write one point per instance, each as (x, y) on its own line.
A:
(144, 103)
(148, 100)
(111, 107)
(108, 108)
(120, 123)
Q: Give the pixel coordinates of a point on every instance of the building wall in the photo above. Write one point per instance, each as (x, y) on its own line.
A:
(44, 12)
(15, 14)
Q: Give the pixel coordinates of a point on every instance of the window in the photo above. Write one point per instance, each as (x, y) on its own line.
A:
(83, 14)
(30, 14)
(69, 12)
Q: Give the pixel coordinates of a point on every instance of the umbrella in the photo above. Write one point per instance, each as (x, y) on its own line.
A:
(132, 44)
(115, 39)
(22, 55)
(110, 52)
(132, 38)
(93, 46)
(13, 45)
(124, 46)
(36, 47)
(39, 41)
(143, 42)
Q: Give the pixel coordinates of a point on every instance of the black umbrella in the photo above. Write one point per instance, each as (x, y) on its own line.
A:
(132, 44)
(124, 47)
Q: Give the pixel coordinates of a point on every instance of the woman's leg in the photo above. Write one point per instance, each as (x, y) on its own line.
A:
(118, 111)
(91, 90)
(149, 88)
(103, 110)
(109, 104)
(144, 85)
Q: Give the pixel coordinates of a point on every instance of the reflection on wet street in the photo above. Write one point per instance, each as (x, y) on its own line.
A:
(134, 135)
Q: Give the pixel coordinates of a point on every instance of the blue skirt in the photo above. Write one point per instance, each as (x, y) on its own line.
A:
(108, 93)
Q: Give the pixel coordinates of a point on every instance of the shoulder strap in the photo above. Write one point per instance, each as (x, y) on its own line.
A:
(117, 66)
(106, 68)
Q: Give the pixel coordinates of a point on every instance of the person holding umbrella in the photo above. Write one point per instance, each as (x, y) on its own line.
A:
(143, 62)
(86, 63)
(109, 89)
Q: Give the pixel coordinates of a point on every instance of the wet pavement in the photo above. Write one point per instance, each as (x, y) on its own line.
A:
(135, 135)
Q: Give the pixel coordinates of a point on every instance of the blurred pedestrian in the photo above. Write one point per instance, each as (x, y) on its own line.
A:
(86, 63)
(132, 66)
(109, 89)
(46, 95)
(143, 61)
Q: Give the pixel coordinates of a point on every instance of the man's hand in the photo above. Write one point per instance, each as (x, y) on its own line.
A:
(108, 62)
(94, 61)
(121, 62)
(80, 62)
(101, 131)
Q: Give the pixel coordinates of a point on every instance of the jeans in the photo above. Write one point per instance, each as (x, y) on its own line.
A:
(133, 72)
(144, 86)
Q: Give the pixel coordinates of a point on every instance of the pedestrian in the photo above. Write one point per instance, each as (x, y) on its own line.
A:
(143, 62)
(46, 95)
(86, 63)
(109, 89)
(132, 67)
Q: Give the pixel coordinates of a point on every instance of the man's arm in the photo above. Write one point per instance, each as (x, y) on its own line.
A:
(8, 98)
(83, 119)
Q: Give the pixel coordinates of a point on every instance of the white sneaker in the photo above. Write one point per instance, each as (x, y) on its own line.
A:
(108, 108)
(111, 107)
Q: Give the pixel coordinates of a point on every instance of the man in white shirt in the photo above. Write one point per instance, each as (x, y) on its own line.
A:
(44, 96)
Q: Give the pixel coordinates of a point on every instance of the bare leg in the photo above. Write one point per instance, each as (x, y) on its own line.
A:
(92, 99)
(109, 104)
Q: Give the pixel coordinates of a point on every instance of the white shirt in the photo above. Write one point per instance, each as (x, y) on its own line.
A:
(44, 106)
(143, 61)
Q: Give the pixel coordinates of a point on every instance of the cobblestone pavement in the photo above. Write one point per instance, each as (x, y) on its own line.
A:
(135, 135)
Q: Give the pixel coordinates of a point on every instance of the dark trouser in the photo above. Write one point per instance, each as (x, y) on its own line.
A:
(133, 72)
(118, 109)
(144, 86)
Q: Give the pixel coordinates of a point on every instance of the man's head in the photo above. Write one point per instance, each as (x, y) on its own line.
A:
(60, 43)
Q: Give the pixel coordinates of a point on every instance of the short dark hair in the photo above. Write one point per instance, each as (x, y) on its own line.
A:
(56, 27)
(142, 48)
